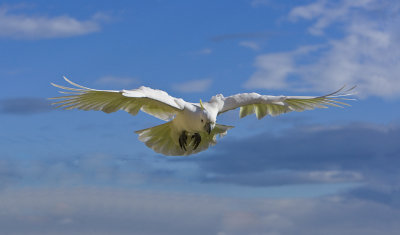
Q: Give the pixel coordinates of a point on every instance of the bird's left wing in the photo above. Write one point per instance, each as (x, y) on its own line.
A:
(263, 105)
(154, 102)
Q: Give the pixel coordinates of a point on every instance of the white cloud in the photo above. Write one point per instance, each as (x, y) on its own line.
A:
(193, 85)
(327, 13)
(110, 210)
(273, 69)
(367, 55)
(117, 81)
(284, 177)
(256, 3)
(24, 105)
(205, 51)
(241, 36)
(249, 44)
(23, 26)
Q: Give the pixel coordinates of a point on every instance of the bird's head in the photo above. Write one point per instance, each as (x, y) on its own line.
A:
(207, 119)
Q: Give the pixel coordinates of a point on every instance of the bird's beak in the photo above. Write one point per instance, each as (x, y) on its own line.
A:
(209, 127)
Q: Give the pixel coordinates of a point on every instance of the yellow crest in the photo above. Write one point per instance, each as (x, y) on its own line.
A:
(201, 105)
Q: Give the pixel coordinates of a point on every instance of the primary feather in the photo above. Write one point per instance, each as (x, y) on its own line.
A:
(263, 105)
(154, 102)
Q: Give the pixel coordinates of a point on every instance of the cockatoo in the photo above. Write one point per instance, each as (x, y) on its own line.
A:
(190, 127)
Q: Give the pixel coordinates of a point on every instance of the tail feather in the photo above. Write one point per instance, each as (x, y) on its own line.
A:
(164, 139)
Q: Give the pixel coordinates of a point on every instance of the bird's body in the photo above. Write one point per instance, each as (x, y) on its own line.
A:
(190, 127)
(184, 121)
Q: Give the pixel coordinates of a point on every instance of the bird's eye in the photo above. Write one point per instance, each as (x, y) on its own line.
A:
(202, 120)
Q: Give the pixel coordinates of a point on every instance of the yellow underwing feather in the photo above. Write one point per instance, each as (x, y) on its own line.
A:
(154, 102)
(263, 105)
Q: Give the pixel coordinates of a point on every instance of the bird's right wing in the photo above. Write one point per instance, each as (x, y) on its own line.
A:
(154, 102)
(263, 105)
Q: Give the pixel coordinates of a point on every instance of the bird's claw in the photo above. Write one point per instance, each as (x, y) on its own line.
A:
(197, 140)
(182, 140)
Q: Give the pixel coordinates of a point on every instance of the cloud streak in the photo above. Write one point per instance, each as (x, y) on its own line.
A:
(115, 211)
(251, 45)
(24, 106)
(241, 36)
(199, 85)
(117, 81)
(21, 26)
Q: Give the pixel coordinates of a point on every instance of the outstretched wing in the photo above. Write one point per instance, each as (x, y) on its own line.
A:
(154, 102)
(263, 105)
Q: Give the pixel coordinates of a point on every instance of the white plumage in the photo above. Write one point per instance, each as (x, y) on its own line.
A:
(190, 127)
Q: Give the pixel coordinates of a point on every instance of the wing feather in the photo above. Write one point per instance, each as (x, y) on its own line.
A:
(263, 105)
(163, 139)
(154, 102)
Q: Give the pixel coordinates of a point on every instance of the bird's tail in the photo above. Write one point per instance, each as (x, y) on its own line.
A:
(164, 139)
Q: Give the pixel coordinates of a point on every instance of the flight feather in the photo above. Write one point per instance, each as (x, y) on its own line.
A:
(263, 105)
(154, 102)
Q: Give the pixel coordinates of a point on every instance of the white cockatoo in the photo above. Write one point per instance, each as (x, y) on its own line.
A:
(190, 127)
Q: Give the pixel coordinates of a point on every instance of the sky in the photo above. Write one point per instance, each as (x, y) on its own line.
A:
(327, 171)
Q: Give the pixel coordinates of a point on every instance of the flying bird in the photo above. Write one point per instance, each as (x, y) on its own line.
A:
(190, 127)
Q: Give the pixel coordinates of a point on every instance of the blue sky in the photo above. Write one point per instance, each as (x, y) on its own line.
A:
(330, 171)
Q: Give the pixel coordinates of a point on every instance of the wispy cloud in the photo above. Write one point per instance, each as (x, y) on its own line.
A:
(205, 51)
(249, 44)
(24, 106)
(256, 3)
(107, 210)
(326, 13)
(117, 81)
(274, 69)
(193, 85)
(242, 36)
(22, 26)
(285, 177)
(366, 55)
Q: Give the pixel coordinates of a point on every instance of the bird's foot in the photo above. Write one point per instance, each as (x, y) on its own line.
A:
(197, 140)
(182, 140)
